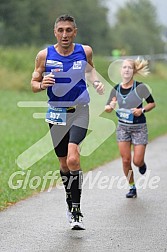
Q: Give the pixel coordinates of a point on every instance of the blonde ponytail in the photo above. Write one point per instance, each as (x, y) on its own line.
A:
(141, 67)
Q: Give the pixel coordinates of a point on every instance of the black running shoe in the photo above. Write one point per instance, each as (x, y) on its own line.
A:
(143, 169)
(77, 223)
(132, 193)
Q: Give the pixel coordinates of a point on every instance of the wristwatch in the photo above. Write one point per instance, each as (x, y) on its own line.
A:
(143, 110)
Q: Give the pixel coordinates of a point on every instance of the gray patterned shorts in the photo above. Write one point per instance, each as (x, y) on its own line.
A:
(136, 134)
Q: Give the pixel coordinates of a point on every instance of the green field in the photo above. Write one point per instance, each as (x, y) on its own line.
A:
(19, 130)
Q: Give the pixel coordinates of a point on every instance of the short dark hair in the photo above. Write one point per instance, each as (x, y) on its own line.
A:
(64, 18)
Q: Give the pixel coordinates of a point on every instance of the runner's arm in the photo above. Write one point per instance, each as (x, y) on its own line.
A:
(91, 73)
(40, 82)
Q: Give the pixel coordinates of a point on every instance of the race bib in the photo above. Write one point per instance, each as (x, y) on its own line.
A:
(125, 115)
(56, 116)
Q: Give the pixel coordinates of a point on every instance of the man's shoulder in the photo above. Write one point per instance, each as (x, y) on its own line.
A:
(88, 51)
(42, 53)
(87, 48)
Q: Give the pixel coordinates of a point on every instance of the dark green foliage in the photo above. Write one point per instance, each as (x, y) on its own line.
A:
(137, 30)
(31, 22)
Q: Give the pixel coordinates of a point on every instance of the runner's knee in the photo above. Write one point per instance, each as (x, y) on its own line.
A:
(73, 162)
(138, 162)
(126, 162)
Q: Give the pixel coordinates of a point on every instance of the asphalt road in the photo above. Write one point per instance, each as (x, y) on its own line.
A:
(113, 223)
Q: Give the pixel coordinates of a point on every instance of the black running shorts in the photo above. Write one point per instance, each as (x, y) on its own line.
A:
(73, 132)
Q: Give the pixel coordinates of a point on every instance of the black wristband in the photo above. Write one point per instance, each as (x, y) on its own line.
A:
(41, 86)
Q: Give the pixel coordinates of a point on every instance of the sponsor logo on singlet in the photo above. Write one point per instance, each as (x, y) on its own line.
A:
(56, 64)
(77, 64)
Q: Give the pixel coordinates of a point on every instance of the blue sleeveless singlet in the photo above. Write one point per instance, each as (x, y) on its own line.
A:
(70, 88)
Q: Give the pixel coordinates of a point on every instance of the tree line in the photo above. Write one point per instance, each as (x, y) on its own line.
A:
(31, 22)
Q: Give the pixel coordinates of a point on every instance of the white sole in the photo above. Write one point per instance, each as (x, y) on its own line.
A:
(77, 226)
(69, 216)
